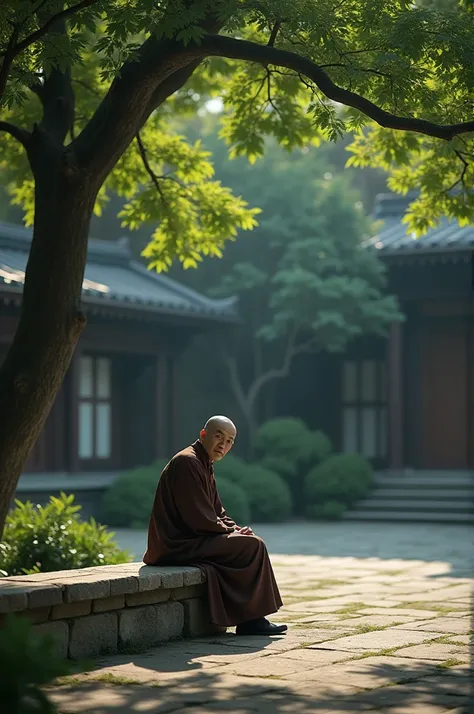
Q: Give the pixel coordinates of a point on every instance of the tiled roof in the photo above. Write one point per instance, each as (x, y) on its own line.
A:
(113, 278)
(393, 238)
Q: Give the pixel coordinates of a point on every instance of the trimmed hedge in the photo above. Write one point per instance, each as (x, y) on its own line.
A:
(235, 501)
(336, 484)
(287, 447)
(128, 502)
(269, 495)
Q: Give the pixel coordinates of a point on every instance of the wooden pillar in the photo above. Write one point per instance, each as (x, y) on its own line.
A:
(395, 397)
(174, 403)
(161, 408)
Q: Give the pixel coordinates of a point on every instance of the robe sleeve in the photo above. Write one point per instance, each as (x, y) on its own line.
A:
(192, 500)
(220, 510)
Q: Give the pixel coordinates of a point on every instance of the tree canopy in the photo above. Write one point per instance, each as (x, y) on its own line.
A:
(398, 75)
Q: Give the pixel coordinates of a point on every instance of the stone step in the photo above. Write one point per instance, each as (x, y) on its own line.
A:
(431, 493)
(416, 516)
(424, 481)
(375, 503)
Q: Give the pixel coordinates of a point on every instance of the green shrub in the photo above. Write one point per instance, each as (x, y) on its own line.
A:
(329, 511)
(342, 478)
(129, 500)
(231, 468)
(269, 495)
(235, 501)
(28, 662)
(288, 447)
(52, 537)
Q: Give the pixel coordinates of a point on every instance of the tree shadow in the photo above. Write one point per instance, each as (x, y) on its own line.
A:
(168, 682)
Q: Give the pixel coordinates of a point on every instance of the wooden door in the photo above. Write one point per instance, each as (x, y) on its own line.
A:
(444, 392)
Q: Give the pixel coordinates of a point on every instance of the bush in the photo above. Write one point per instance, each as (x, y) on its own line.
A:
(289, 448)
(231, 468)
(342, 478)
(329, 511)
(28, 662)
(235, 501)
(269, 496)
(128, 502)
(52, 537)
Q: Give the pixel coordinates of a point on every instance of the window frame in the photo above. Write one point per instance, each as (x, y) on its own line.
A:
(359, 403)
(95, 400)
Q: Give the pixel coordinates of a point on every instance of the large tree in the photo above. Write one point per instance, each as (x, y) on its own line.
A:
(87, 87)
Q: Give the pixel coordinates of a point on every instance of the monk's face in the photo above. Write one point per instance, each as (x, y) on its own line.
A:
(218, 440)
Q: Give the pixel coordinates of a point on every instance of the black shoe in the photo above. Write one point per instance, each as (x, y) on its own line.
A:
(260, 627)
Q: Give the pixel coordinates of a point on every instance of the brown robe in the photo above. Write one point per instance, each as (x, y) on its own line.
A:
(189, 526)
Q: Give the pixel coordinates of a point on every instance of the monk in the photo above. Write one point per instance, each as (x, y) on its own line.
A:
(189, 526)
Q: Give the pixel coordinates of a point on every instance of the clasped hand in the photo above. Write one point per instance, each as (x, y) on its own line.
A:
(243, 530)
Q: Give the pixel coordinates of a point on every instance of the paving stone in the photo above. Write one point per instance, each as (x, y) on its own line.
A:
(59, 631)
(398, 611)
(436, 651)
(38, 614)
(192, 576)
(197, 618)
(146, 626)
(13, 598)
(376, 620)
(147, 597)
(93, 635)
(86, 588)
(123, 586)
(72, 609)
(447, 625)
(189, 591)
(152, 577)
(115, 602)
(382, 639)
(368, 673)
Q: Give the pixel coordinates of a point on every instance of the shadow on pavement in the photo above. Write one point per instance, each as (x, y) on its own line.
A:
(179, 684)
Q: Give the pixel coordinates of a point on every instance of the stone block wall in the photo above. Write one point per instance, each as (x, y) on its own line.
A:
(95, 611)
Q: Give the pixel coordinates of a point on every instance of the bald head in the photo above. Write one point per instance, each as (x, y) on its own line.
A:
(218, 436)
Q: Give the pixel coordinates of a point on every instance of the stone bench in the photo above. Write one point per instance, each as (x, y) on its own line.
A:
(101, 610)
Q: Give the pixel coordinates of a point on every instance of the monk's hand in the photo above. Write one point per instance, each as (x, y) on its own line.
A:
(244, 530)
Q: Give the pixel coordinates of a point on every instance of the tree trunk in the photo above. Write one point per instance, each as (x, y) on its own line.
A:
(50, 320)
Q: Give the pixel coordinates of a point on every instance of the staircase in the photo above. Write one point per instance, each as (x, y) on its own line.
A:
(418, 496)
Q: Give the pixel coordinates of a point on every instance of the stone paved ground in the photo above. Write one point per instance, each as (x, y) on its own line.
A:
(378, 633)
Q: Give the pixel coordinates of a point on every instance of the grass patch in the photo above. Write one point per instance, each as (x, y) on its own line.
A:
(70, 680)
(327, 583)
(350, 608)
(448, 663)
(116, 680)
(446, 640)
(362, 629)
(434, 607)
(106, 678)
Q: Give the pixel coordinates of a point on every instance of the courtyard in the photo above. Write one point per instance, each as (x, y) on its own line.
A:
(379, 618)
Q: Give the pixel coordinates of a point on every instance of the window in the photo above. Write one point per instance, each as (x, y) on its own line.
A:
(95, 408)
(364, 408)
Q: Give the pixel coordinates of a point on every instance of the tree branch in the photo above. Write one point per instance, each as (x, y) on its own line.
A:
(21, 135)
(44, 29)
(223, 46)
(235, 383)
(14, 48)
(143, 155)
(274, 33)
(277, 373)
